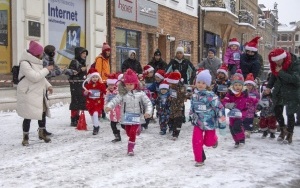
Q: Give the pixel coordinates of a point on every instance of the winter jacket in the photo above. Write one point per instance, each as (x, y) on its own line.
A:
(161, 64)
(206, 109)
(286, 85)
(95, 97)
(115, 114)
(265, 107)
(221, 83)
(232, 57)
(132, 64)
(102, 66)
(77, 98)
(31, 90)
(135, 101)
(250, 64)
(163, 105)
(212, 65)
(185, 67)
(252, 102)
(178, 93)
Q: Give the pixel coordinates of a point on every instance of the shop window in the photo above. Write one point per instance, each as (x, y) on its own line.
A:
(296, 37)
(284, 37)
(187, 45)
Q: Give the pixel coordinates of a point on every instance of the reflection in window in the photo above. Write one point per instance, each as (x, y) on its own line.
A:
(132, 39)
(120, 37)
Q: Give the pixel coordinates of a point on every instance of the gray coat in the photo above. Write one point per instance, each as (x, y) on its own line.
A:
(135, 101)
(212, 65)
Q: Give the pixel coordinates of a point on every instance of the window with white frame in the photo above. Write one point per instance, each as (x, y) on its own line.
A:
(296, 37)
(189, 2)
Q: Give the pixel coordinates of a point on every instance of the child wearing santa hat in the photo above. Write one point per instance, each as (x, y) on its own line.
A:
(232, 56)
(207, 114)
(222, 82)
(94, 91)
(148, 72)
(114, 114)
(178, 96)
(251, 104)
(135, 106)
(163, 106)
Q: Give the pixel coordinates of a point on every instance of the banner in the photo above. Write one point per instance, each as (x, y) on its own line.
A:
(5, 37)
(66, 28)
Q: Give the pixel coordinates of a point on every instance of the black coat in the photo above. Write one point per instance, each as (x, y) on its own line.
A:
(186, 69)
(77, 98)
(132, 64)
(250, 64)
(161, 64)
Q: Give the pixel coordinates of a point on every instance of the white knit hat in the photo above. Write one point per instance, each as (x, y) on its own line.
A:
(205, 77)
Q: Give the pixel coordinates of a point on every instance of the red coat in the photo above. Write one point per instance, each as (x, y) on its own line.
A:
(95, 97)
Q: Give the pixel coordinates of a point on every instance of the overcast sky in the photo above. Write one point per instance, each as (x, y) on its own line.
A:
(288, 10)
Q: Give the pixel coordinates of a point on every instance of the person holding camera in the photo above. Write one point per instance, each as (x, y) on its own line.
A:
(32, 91)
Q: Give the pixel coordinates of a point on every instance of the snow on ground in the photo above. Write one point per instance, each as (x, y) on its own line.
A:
(79, 159)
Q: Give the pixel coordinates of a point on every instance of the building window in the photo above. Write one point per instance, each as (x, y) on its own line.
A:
(290, 49)
(296, 37)
(296, 50)
(278, 38)
(284, 37)
(285, 48)
(290, 37)
(189, 2)
(187, 45)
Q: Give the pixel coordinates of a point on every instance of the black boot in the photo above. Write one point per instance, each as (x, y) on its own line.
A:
(96, 130)
(117, 137)
(73, 122)
(282, 134)
(48, 133)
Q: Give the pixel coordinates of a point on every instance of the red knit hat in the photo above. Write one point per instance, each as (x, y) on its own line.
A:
(250, 79)
(174, 77)
(35, 48)
(223, 69)
(105, 47)
(111, 78)
(233, 41)
(252, 44)
(147, 69)
(130, 77)
(164, 85)
(160, 73)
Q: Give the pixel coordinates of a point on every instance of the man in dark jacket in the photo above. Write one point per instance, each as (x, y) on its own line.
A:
(285, 81)
(157, 63)
(132, 63)
(182, 65)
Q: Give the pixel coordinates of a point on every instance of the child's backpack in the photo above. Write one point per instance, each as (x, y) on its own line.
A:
(15, 71)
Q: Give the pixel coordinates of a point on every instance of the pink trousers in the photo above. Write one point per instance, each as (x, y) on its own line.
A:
(200, 138)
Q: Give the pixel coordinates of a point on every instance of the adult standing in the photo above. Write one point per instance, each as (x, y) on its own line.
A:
(32, 91)
(78, 64)
(157, 62)
(132, 63)
(249, 62)
(182, 65)
(285, 82)
(212, 63)
(102, 64)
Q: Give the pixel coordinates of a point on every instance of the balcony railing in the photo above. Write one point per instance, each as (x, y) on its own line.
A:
(245, 16)
(226, 4)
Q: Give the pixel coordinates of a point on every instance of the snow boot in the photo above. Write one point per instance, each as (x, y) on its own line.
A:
(216, 144)
(96, 130)
(130, 148)
(288, 138)
(265, 134)
(25, 139)
(74, 121)
(48, 133)
(272, 135)
(43, 136)
(282, 134)
(117, 137)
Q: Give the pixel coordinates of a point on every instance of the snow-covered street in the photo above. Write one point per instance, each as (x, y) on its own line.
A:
(79, 159)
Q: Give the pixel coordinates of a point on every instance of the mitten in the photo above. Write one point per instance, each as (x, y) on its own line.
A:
(230, 105)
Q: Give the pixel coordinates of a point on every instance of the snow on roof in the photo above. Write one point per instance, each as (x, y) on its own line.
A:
(245, 24)
(286, 27)
(218, 9)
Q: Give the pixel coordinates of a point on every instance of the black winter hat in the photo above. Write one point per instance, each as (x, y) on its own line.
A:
(157, 52)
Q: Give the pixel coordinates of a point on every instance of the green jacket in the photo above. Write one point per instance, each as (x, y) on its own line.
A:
(286, 87)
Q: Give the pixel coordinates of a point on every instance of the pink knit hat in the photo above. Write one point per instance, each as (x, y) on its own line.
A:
(130, 77)
(35, 48)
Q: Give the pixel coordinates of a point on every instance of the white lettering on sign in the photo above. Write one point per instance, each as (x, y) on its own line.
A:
(124, 7)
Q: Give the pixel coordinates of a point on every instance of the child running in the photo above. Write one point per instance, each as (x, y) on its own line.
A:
(135, 106)
(232, 56)
(207, 114)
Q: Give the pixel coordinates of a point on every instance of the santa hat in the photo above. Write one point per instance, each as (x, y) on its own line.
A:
(111, 78)
(233, 41)
(199, 70)
(130, 77)
(223, 69)
(35, 48)
(252, 44)
(179, 49)
(237, 77)
(164, 85)
(147, 69)
(120, 76)
(92, 72)
(277, 54)
(250, 79)
(160, 73)
(173, 78)
(204, 76)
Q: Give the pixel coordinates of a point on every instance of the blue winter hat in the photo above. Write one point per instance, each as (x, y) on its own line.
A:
(205, 77)
(213, 50)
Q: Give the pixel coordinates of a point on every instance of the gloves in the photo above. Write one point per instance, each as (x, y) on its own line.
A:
(230, 105)
(222, 132)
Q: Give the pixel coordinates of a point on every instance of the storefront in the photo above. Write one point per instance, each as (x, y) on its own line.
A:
(5, 37)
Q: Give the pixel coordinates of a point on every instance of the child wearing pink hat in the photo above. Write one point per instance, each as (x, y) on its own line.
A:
(232, 56)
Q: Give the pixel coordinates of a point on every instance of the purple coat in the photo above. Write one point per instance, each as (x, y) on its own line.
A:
(232, 57)
(252, 102)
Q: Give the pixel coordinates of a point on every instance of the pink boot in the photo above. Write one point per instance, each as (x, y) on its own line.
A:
(130, 148)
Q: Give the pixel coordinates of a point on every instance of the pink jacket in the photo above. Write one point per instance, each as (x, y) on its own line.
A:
(252, 102)
(232, 57)
(115, 114)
